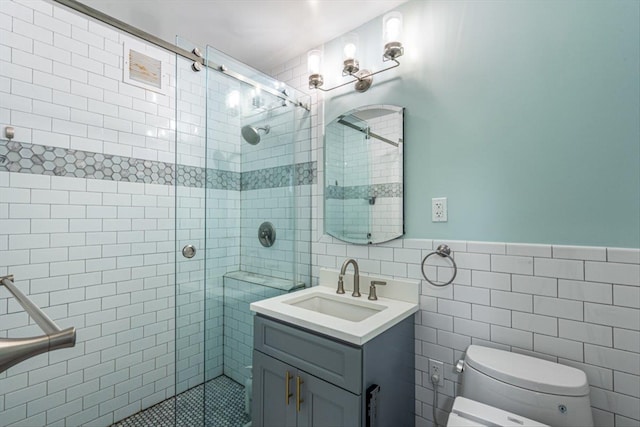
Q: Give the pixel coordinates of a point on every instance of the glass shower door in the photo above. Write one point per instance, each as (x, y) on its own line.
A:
(250, 185)
(190, 163)
(235, 172)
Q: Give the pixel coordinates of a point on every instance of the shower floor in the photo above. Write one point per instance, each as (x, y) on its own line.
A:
(223, 403)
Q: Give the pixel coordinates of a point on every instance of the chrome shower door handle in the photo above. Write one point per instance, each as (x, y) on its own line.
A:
(189, 251)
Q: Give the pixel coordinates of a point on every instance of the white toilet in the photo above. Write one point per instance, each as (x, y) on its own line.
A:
(500, 388)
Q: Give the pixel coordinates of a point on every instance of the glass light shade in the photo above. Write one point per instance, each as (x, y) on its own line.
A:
(314, 62)
(392, 27)
(350, 43)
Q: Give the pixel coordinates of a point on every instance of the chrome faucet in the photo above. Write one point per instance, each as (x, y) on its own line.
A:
(356, 278)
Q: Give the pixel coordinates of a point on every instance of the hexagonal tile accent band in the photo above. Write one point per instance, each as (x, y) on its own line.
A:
(190, 176)
(393, 189)
(306, 173)
(223, 180)
(45, 160)
(280, 176)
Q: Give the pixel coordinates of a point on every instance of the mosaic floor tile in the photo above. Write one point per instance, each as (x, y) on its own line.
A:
(223, 402)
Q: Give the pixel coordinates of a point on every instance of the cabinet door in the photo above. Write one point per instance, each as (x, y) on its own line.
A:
(325, 405)
(272, 407)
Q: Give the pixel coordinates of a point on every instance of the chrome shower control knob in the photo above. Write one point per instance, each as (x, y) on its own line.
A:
(189, 251)
(266, 234)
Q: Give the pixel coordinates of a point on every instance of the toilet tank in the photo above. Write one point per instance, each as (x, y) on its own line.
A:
(544, 391)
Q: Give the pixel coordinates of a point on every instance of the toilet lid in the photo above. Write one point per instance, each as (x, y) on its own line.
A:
(527, 372)
(456, 420)
(469, 413)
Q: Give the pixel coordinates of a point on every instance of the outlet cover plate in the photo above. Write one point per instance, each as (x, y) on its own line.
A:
(436, 367)
(439, 209)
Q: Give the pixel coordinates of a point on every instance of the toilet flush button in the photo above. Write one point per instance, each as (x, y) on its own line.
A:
(515, 420)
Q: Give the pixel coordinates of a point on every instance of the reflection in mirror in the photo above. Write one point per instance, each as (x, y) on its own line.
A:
(364, 175)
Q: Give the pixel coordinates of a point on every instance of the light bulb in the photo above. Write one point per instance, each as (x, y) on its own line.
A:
(392, 23)
(350, 43)
(393, 29)
(349, 51)
(314, 62)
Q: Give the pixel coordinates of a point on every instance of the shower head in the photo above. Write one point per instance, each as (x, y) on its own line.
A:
(251, 134)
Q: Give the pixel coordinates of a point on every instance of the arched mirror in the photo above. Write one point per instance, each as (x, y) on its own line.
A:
(363, 195)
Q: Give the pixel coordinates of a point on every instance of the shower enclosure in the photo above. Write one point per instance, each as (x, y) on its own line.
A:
(154, 233)
(240, 139)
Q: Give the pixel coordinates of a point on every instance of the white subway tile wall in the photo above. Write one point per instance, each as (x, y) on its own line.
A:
(100, 254)
(95, 254)
(577, 306)
(112, 281)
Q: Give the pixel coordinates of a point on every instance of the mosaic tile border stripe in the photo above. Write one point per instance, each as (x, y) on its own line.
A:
(280, 176)
(46, 160)
(223, 180)
(393, 189)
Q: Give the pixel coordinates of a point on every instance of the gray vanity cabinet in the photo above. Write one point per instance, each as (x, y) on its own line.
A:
(321, 403)
(275, 405)
(301, 378)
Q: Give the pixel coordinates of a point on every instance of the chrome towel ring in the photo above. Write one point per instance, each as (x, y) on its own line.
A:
(443, 251)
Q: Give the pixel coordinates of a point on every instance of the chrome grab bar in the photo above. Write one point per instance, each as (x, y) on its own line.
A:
(15, 350)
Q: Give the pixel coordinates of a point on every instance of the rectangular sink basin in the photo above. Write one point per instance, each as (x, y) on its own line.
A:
(354, 311)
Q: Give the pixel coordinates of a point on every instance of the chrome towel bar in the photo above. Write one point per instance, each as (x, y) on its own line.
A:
(15, 350)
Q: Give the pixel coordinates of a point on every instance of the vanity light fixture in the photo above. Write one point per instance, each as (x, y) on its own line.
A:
(392, 34)
(351, 64)
(393, 49)
(314, 68)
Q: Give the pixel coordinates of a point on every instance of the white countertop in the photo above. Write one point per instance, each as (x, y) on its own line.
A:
(392, 312)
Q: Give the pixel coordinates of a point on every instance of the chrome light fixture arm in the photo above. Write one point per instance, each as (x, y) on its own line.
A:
(362, 79)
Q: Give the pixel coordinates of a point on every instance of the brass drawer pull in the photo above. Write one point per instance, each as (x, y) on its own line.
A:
(298, 399)
(287, 377)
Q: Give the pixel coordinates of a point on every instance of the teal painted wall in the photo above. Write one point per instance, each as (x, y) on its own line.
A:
(525, 114)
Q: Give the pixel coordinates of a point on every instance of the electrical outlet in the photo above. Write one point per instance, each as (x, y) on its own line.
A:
(439, 209)
(437, 368)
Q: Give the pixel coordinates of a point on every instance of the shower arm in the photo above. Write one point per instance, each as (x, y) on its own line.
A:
(16, 350)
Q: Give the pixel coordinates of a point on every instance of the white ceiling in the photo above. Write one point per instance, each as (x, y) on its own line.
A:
(261, 33)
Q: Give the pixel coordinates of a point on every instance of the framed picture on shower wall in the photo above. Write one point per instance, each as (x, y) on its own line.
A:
(146, 67)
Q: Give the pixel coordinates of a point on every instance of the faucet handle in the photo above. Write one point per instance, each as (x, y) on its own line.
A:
(372, 289)
(340, 285)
